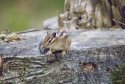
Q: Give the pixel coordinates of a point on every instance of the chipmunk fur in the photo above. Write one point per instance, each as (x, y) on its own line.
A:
(57, 41)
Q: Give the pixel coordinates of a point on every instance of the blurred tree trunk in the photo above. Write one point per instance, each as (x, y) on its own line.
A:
(101, 11)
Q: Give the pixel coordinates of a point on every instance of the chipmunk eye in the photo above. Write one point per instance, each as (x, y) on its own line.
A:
(49, 41)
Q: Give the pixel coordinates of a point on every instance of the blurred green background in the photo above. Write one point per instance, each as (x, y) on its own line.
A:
(19, 15)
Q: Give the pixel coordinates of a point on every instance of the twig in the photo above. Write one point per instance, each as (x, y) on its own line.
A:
(32, 30)
(119, 22)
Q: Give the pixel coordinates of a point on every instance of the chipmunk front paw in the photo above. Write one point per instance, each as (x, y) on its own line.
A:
(49, 53)
(63, 53)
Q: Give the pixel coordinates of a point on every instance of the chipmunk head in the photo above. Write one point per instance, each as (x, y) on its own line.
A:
(49, 39)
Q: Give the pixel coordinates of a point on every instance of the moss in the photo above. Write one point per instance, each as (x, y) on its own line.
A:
(118, 75)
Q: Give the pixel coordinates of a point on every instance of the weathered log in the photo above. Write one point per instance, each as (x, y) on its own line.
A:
(87, 46)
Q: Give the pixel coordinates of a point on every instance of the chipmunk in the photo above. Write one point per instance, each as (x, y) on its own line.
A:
(56, 42)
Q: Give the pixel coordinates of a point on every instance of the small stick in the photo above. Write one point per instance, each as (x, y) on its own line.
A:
(32, 30)
(119, 22)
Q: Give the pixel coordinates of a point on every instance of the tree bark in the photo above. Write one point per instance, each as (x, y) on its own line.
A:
(104, 11)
